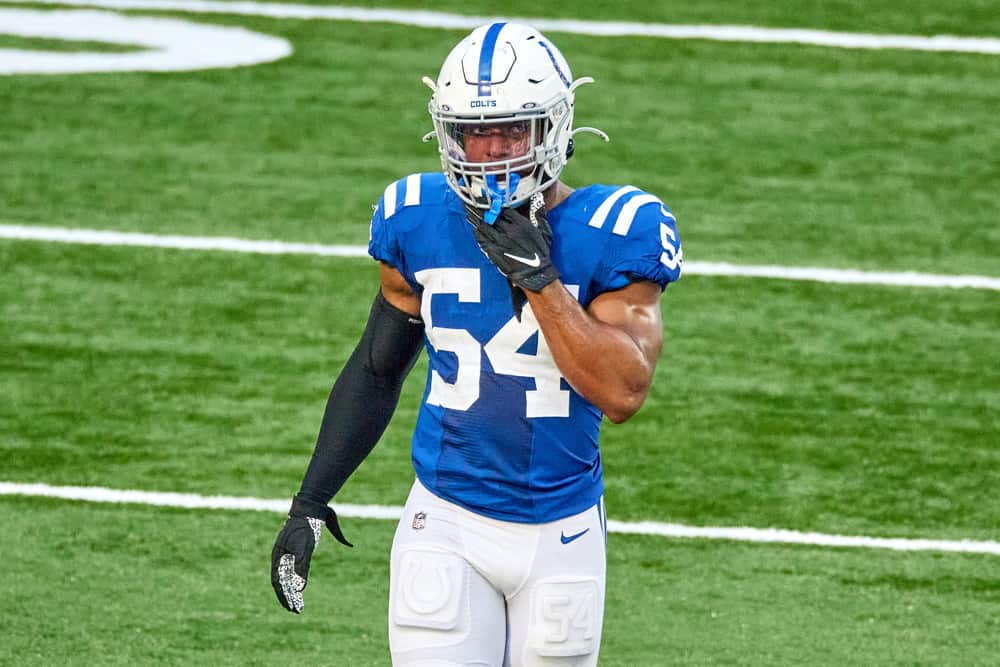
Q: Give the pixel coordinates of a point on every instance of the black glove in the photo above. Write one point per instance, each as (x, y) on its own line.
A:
(519, 245)
(294, 547)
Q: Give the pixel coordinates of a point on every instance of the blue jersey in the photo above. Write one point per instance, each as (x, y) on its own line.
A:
(500, 432)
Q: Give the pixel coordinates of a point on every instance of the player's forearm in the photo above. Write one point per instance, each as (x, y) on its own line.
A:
(349, 431)
(363, 399)
(602, 362)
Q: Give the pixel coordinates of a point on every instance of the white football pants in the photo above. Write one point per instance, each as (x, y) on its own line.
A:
(469, 590)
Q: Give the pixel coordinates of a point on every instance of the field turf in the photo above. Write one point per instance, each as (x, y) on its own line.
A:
(849, 409)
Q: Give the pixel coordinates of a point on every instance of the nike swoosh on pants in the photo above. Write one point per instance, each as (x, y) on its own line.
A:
(567, 539)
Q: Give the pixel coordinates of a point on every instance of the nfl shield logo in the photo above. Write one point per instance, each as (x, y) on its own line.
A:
(418, 520)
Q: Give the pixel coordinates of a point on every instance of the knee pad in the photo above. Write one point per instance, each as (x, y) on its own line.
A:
(428, 590)
(566, 617)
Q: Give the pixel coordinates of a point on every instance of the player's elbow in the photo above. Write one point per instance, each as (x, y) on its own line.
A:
(626, 404)
(620, 415)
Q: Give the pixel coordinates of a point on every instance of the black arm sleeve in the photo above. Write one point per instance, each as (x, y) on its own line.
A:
(362, 399)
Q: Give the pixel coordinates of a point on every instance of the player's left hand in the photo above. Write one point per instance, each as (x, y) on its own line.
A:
(294, 547)
(519, 246)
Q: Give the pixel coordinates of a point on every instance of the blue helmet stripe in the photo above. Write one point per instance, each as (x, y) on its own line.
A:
(486, 59)
(555, 64)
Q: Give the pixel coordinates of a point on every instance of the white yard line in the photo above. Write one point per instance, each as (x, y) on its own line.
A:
(100, 237)
(673, 530)
(853, 276)
(429, 19)
(109, 238)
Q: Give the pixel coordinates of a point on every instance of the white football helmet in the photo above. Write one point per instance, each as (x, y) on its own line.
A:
(509, 78)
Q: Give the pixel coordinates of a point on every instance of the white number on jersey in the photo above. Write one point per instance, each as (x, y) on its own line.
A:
(461, 394)
(547, 399)
(672, 254)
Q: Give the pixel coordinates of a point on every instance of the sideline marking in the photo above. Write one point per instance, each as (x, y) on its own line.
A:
(175, 45)
(763, 535)
(428, 19)
(848, 276)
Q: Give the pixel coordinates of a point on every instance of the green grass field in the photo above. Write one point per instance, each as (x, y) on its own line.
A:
(851, 409)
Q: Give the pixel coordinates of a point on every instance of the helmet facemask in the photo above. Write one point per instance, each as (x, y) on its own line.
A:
(535, 138)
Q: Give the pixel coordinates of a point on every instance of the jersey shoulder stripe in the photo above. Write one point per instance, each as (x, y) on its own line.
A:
(415, 191)
(625, 217)
(601, 214)
(631, 236)
(621, 205)
(408, 187)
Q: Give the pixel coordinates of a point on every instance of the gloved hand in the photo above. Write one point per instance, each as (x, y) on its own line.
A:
(519, 245)
(294, 547)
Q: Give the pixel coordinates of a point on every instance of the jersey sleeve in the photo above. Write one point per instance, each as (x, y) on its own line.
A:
(643, 245)
(382, 243)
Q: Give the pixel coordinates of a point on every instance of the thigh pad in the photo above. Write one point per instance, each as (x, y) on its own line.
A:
(429, 589)
(565, 617)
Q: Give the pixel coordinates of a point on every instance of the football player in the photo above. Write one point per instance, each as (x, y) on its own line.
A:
(539, 307)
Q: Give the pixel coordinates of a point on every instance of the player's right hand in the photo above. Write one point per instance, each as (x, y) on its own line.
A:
(519, 243)
(294, 547)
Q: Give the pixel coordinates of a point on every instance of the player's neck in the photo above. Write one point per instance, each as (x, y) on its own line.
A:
(556, 194)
